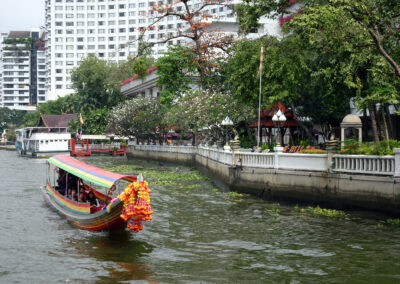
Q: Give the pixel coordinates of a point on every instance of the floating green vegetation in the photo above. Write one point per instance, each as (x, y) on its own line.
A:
(161, 176)
(274, 211)
(124, 168)
(235, 196)
(321, 211)
(393, 221)
(326, 212)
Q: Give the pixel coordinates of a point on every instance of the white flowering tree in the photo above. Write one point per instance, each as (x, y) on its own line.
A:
(139, 118)
(198, 109)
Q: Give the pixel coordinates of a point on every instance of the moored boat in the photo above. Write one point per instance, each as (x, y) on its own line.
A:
(119, 200)
(42, 141)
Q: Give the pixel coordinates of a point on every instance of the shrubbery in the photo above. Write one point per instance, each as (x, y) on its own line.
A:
(380, 148)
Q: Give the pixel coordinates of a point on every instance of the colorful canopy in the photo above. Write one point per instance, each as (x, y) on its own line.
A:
(86, 172)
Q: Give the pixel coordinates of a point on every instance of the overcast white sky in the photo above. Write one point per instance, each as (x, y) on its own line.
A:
(21, 14)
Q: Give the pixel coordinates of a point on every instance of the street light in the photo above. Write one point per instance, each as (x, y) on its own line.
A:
(279, 119)
(226, 123)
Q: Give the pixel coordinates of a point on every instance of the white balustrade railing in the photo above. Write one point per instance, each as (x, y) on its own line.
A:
(165, 148)
(215, 154)
(364, 164)
(355, 164)
(257, 160)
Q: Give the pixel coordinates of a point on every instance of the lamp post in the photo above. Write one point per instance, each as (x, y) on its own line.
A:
(279, 119)
(226, 123)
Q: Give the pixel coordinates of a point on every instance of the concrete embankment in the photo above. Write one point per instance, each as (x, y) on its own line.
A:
(7, 147)
(315, 187)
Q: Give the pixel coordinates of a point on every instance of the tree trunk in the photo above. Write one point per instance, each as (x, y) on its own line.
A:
(381, 127)
(390, 122)
(376, 36)
(372, 116)
(302, 125)
(385, 127)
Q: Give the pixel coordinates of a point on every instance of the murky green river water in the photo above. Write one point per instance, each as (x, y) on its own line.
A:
(199, 233)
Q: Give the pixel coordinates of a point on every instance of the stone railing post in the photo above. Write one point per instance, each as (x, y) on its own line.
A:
(331, 149)
(278, 150)
(397, 162)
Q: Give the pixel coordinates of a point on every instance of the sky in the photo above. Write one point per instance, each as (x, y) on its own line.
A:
(21, 14)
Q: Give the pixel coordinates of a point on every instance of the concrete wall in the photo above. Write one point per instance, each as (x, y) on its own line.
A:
(365, 191)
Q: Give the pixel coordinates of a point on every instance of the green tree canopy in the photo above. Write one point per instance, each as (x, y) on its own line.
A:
(94, 86)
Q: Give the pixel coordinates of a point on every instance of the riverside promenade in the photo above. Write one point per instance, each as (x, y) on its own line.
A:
(370, 182)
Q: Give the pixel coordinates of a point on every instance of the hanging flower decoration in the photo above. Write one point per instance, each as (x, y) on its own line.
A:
(136, 199)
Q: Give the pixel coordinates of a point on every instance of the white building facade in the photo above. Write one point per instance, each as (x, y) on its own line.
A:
(2, 36)
(107, 28)
(22, 57)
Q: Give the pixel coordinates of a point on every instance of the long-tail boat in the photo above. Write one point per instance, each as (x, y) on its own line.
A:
(122, 200)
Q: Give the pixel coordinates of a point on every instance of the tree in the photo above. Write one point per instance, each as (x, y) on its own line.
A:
(177, 70)
(95, 122)
(199, 109)
(132, 66)
(10, 118)
(93, 86)
(140, 118)
(207, 44)
(353, 49)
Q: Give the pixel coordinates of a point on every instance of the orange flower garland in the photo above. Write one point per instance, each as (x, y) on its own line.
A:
(136, 199)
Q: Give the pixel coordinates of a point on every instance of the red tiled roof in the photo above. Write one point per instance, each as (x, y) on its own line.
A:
(50, 120)
(135, 76)
(267, 114)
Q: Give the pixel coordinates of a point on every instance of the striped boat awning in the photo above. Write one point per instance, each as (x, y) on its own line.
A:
(87, 172)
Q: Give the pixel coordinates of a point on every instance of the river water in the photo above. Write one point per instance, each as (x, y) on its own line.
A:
(199, 233)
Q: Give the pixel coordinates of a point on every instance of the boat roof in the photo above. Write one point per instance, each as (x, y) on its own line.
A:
(87, 172)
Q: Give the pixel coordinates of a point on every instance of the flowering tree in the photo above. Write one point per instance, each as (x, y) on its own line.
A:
(206, 42)
(198, 109)
(140, 118)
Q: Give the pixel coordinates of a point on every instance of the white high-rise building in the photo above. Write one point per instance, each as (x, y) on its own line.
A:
(2, 36)
(22, 84)
(106, 28)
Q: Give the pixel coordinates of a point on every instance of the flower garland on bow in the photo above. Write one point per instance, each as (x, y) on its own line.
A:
(136, 199)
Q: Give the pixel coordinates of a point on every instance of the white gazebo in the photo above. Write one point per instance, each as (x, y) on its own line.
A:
(351, 121)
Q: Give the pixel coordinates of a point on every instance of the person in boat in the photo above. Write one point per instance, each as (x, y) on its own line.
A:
(82, 195)
(74, 195)
(62, 181)
(69, 193)
(91, 198)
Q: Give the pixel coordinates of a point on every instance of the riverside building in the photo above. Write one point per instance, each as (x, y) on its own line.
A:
(107, 28)
(23, 70)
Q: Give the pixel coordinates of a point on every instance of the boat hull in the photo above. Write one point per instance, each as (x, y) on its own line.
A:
(79, 213)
